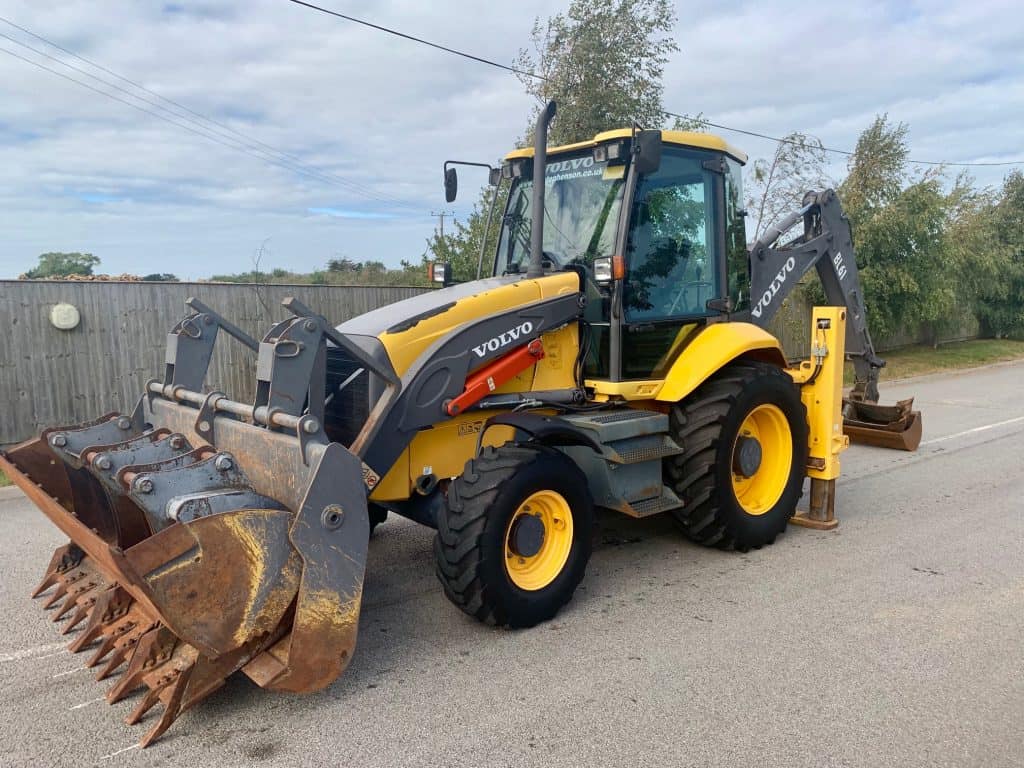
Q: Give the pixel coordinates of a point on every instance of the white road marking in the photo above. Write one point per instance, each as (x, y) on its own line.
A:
(120, 751)
(71, 672)
(87, 703)
(985, 428)
(39, 652)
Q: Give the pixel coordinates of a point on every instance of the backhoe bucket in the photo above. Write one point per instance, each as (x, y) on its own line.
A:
(206, 536)
(887, 426)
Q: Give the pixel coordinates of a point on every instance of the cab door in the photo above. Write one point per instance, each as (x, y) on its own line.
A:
(674, 260)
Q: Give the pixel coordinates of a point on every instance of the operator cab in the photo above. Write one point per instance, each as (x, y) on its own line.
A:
(662, 250)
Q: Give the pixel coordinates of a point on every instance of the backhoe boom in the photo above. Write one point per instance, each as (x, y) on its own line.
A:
(827, 245)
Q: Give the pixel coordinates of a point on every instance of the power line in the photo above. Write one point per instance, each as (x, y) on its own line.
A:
(527, 73)
(141, 87)
(208, 136)
(845, 152)
(420, 40)
(275, 157)
(441, 217)
(702, 121)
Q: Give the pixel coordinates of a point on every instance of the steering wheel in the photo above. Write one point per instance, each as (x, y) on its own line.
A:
(556, 259)
(698, 284)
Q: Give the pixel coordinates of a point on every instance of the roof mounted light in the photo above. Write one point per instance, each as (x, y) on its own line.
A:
(515, 168)
(613, 153)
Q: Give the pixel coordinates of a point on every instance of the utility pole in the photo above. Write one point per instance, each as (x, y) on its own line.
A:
(441, 216)
(442, 243)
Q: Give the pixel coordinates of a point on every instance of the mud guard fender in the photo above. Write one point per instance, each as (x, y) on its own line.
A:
(548, 430)
(714, 347)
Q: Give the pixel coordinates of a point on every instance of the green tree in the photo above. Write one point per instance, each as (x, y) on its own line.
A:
(156, 277)
(776, 187)
(343, 264)
(602, 61)
(461, 244)
(899, 226)
(1000, 295)
(62, 265)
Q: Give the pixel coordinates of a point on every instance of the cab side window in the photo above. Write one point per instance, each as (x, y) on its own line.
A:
(670, 270)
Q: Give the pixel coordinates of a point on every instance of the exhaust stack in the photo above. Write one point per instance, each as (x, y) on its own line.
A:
(540, 165)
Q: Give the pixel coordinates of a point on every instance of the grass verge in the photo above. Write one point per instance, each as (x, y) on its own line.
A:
(915, 361)
(4, 479)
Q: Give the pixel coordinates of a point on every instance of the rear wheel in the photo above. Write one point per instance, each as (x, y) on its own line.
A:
(744, 440)
(514, 539)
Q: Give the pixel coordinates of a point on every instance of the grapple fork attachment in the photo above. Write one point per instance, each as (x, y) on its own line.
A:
(207, 535)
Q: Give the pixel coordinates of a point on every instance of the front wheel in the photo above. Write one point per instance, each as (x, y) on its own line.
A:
(744, 439)
(514, 539)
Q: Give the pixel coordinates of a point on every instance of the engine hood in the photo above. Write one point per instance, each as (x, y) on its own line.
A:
(408, 328)
(404, 314)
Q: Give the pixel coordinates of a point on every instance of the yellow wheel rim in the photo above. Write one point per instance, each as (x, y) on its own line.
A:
(759, 493)
(540, 569)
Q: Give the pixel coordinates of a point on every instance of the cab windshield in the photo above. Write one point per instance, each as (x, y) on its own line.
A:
(581, 208)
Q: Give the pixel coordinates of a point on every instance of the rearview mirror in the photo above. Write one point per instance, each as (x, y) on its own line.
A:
(451, 184)
(493, 177)
(647, 151)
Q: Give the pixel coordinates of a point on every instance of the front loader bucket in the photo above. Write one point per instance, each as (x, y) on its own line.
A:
(887, 426)
(201, 541)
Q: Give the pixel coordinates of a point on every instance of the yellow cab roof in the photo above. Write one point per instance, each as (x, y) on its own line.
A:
(680, 138)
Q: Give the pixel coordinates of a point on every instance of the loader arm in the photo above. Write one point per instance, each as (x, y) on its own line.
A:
(827, 245)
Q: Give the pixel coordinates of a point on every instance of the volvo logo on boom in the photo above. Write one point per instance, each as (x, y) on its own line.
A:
(503, 340)
(777, 282)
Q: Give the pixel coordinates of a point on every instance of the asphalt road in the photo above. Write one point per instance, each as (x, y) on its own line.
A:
(897, 640)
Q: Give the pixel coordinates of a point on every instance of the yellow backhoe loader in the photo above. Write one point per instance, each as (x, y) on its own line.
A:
(614, 358)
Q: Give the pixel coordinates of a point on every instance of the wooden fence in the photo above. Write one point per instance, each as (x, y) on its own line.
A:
(792, 326)
(52, 377)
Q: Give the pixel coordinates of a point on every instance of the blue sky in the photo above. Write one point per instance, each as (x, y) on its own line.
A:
(372, 118)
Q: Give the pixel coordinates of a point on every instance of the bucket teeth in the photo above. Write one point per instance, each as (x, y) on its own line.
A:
(64, 559)
(118, 654)
(81, 611)
(57, 594)
(80, 594)
(128, 641)
(171, 691)
(110, 605)
(152, 648)
(124, 634)
(165, 666)
(48, 581)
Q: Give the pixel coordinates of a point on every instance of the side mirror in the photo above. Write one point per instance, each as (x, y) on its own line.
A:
(451, 184)
(647, 151)
(493, 177)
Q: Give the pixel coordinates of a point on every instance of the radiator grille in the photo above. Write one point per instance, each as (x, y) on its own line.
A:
(349, 408)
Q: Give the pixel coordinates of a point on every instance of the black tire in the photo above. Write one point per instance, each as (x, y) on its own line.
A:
(706, 425)
(469, 549)
(378, 515)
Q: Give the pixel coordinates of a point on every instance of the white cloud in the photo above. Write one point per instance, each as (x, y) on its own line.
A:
(83, 172)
